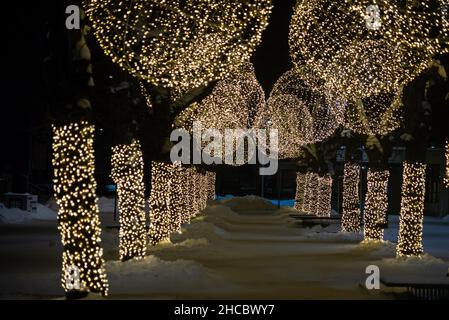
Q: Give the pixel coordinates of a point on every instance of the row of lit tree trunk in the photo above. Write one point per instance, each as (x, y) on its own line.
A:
(178, 194)
(376, 203)
(313, 194)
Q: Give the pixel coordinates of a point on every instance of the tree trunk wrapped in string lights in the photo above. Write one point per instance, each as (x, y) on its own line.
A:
(316, 206)
(325, 196)
(313, 194)
(310, 195)
(160, 202)
(300, 187)
(412, 210)
(211, 178)
(446, 176)
(78, 215)
(177, 203)
(127, 173)
(305, 192)
(376, 204)
(186, 197)
(350, 221)
(178, 194)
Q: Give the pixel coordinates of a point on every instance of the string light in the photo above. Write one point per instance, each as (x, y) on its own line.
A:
(127, 173)
(301, 112)
(211, 180)
(234, 101)
(370, 68)
(179, 44)
(311, 194)
(305, 202)
(412, 210)
(350, 221)
(446, 178)
(160, 202)
(305, 191)
(78, 216)
(300, 187)
(376, 115)
(178, 194)
(146, 95)
(376, 204)
(323, 207)
(361, 51)
(233, 104)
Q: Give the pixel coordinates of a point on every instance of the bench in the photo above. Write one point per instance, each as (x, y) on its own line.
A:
(425, 290)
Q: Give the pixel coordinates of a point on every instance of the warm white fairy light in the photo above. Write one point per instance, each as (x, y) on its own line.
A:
(376, 204)
(300, 187)
(305, 201)
(302, 112)
(412, 210)
(323, 206)
(178, 194)
(146, 95)
(310, 193)
(78, 216)
(210, 181)
(350, 221)
(360, 51)
(160, 202)
(234, 101)
(366, 69)
(233, 104)
(317, 197)
(179, 44)
(305, 191)
(376, 115)
(446, 176)
(127, 173)
(177, 204)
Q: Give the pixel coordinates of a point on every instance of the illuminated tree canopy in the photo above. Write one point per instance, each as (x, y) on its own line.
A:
(235, 103)
(178, 44)
(376, 115)
(303, 113)
(361, 47)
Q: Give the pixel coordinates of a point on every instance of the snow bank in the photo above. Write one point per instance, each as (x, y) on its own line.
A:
(218, 210)
(423, 261)
(198, 230)
(18, 216)
(252, 203)
(332, 232)
(377, 248)
(157, 277)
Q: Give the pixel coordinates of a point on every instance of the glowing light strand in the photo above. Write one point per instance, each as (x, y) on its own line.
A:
(299, 195)
(78, 216)
(127, 173)
(350, 221)
(336, 40)
(412, 210)
(446, 177)
(325, 196)
(376, 204)
(179, 44)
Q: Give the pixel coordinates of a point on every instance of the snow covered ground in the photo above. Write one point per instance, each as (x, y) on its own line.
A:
(241, 248)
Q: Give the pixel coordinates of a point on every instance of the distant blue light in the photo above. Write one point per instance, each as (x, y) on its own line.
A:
(111, 187)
